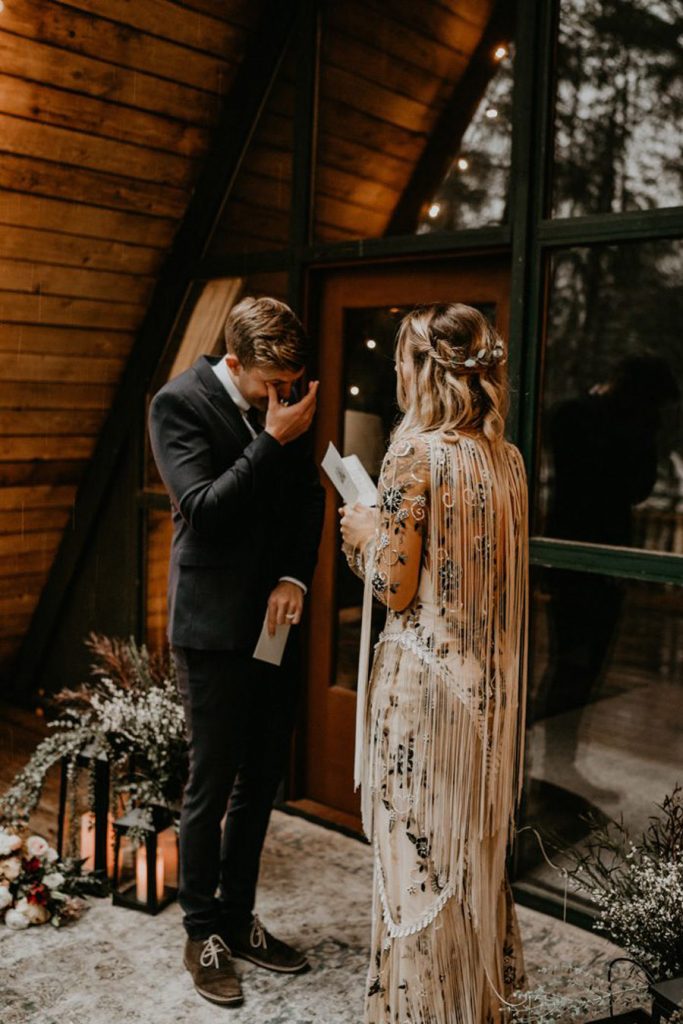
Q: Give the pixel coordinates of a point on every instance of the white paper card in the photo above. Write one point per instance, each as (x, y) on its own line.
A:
(350, 477)
(271, 648)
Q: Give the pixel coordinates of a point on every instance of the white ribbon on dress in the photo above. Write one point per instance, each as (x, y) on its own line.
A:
(363, 666)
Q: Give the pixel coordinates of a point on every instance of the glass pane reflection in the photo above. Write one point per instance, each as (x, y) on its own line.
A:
(474, 191)
(611, 464)
(618, 135)
(605, 719)
(369, 411)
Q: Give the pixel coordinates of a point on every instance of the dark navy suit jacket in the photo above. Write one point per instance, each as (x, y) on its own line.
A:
(246, 511)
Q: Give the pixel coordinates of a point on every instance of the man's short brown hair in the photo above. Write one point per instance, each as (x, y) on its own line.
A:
(265, 332)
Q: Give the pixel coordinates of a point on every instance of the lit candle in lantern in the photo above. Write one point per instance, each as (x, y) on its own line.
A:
(141, 874)
(88, 841)
(168, 845)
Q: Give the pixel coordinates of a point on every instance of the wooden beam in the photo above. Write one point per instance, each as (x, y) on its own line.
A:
(445, 138)
(236, 126)
(309, 32)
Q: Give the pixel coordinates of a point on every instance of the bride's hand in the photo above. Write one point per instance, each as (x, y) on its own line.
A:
(357, 524)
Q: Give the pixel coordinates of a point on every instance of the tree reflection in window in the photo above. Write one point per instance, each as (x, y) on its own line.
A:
(619, 103)
(611, 468)
(474, 192)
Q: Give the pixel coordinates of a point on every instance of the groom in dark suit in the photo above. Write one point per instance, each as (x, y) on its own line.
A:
(231, 439)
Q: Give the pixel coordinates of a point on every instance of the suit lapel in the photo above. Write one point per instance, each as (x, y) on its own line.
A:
(221, 400)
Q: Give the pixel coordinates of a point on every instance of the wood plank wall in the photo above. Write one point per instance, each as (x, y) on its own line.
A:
(257, 216)
(106, 110)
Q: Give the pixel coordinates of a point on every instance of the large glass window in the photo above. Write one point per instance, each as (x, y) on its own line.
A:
(605, 716)
(414, 118)
(619, 107)
(611, 462)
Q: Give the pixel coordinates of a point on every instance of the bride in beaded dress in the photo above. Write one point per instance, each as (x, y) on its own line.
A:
(439, 745)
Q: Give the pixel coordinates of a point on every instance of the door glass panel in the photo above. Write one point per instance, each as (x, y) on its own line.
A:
(605, 716)
(369, 412)
(611, 459)
(618, 127)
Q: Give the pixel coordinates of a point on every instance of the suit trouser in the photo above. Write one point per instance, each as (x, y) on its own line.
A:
(239, 716)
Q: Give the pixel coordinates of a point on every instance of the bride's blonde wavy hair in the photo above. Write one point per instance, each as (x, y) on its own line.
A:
(457, 379)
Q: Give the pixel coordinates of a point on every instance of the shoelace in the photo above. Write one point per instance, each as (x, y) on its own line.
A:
(257, 937)
(213, 947)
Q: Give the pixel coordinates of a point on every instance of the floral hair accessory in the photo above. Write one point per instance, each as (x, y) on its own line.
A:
(484, 358)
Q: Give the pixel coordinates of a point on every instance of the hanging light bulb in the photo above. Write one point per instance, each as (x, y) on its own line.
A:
(463, 164)
(434, 210)
(492, 113)
(500, 52)
(371, 343)
(354, 390)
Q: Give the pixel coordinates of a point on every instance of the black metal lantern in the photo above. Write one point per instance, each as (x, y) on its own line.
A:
(145, 860)
(93, 844)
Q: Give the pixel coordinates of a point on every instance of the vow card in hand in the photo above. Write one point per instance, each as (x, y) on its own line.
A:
(271, 648)
(350, 477)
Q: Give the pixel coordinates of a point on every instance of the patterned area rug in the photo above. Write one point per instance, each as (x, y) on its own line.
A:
(116, 966)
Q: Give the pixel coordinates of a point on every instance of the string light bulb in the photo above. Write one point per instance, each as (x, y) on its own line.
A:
(371, 343)
(492, 113)
(500, 52)
(354, 390)
(463, 164)
(434, 210)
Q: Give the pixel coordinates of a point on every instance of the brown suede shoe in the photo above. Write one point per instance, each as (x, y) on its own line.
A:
(209, 961)
(252, 942)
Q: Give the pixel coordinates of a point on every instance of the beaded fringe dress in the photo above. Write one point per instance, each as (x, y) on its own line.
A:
(441, 733)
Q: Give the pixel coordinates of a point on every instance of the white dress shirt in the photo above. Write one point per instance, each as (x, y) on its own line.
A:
(225, 377)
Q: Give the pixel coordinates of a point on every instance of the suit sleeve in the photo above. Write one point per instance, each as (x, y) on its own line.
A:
(304, 517)
(209, 504)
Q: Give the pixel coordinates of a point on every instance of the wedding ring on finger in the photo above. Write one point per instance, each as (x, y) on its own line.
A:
(290, 616)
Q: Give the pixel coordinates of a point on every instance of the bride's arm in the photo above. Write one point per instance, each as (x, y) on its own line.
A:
(395, 557)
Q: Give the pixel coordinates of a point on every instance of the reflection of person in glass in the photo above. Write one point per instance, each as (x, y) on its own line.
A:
(446, 552)
(605, 450)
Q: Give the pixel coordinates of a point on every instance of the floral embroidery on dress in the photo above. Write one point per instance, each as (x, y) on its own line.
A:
(449, 561)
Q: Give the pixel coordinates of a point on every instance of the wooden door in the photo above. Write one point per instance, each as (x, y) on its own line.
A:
(358, 312)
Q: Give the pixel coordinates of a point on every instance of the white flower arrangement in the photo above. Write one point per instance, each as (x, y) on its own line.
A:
(637, 886)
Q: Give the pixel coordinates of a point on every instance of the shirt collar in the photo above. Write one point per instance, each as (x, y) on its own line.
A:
(225, 377)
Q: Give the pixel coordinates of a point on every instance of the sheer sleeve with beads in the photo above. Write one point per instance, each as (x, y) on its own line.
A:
(395, 555)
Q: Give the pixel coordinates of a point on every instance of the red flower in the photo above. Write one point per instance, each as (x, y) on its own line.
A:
(31, 865)
(37, 894)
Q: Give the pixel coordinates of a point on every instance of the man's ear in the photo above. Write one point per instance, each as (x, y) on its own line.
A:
(233, 362)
